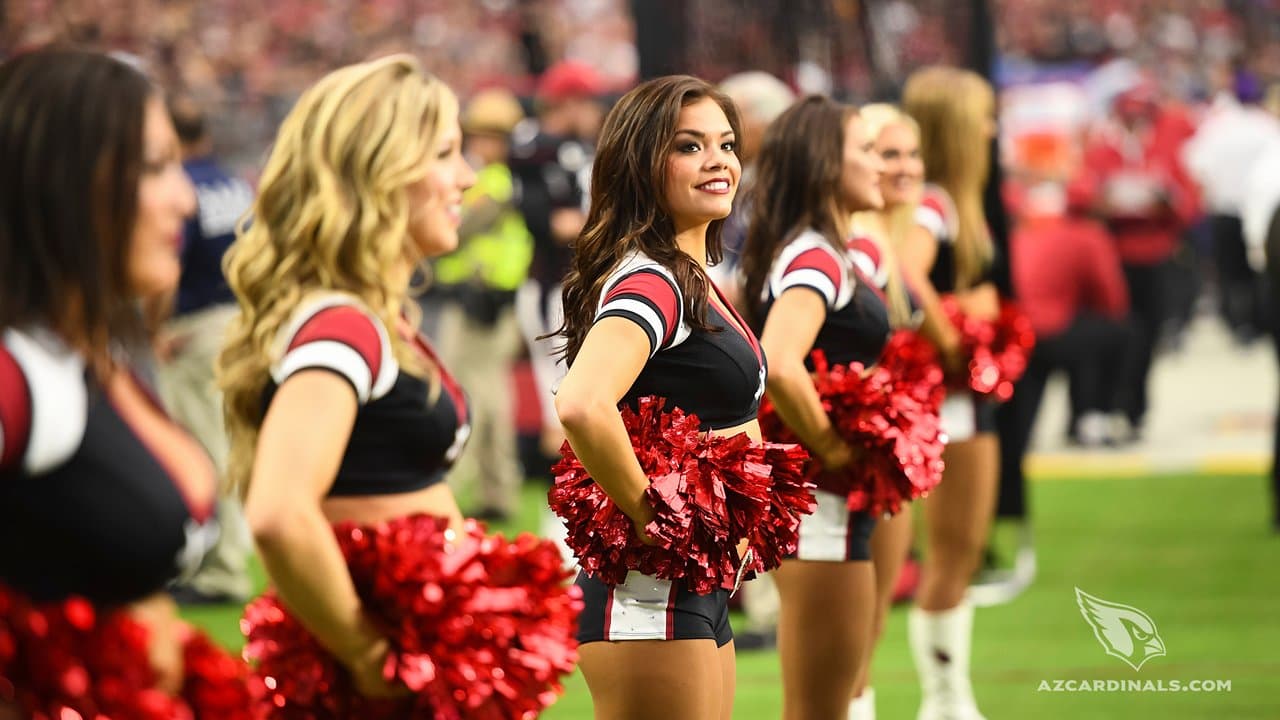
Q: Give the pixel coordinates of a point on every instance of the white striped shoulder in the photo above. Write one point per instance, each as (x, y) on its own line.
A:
(57, 405)
(809, 261)
(337, 332)
(937, 213)
(645, 292)
(868, 258)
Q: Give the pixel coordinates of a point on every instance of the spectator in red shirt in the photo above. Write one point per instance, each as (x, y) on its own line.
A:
(1133, 180)
(1068, 279)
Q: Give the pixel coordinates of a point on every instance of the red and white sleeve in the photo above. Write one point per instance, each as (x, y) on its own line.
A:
(345, 340)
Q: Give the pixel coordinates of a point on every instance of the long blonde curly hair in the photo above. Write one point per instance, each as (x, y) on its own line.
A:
(888, 227)
(954, 109)
(332, 215)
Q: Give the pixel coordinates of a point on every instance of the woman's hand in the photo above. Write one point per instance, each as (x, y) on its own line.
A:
(981, 302)
(644, 516)
(366, 670)
(165, 631)
(838, 457)
(951, 355)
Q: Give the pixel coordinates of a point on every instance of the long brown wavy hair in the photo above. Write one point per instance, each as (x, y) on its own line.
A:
(628, 203)
(71, 158)
(797, 179)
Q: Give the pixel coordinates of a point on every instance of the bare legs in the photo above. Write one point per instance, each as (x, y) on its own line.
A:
(824, 634)
(959, 514)
(675, 679)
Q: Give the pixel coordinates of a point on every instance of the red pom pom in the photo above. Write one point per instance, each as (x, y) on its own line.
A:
(890, 413)
(217, 685)
(997, 350)
(69, 659)
(913, 364)
(480, 627)
(708, 493)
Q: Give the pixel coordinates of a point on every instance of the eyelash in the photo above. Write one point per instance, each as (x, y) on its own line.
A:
(444, 154)
(694, 147)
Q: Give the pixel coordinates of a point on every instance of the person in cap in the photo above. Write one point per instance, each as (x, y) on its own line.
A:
(478, 283)
(551, 160)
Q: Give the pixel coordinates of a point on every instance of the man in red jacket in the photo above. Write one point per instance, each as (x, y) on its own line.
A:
(1133, 180)
(1067, 278)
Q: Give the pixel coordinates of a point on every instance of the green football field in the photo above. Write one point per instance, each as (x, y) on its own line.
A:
(1195, 552)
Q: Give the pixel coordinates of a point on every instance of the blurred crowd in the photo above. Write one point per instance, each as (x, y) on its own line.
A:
(1181, 38)
(1131, 134)
(247, 62)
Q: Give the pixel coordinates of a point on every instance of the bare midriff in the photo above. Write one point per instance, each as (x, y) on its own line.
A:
(369, 509)
(750, 427)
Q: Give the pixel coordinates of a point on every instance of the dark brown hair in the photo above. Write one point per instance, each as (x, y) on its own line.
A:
(71, 144)
(797, 179)
(628, 203)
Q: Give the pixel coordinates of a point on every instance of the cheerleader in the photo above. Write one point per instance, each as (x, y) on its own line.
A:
(641, 319)
(816, 168)
(878, 234)
(950, 251)
(338, 410)
(103, 499)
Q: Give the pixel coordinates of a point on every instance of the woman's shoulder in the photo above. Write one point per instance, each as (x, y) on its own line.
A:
(637, 266)
(937, 213)
(646, 292)
(807, 243)
(43, 400)
(810, 260)
(808, 238)
(337, 331)
(635, 261)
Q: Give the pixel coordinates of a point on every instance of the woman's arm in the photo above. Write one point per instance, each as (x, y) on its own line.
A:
(789, 332)
(611, 358)
(917, 254)
(981, 301)
(300, 447)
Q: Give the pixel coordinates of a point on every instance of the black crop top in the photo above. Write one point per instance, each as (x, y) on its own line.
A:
(937, 213)
(401, 441)
(856, 327)
(85, 507)
(718, 376)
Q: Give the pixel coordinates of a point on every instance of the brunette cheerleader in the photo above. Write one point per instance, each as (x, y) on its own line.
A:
(816, 168)
(642, 319)
(103, 500)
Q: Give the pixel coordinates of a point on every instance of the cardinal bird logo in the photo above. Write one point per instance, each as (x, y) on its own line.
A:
(1124, 631)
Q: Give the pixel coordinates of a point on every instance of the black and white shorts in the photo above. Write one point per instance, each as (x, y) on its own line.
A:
(647, 608)
(834, 533)
(964, 415)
